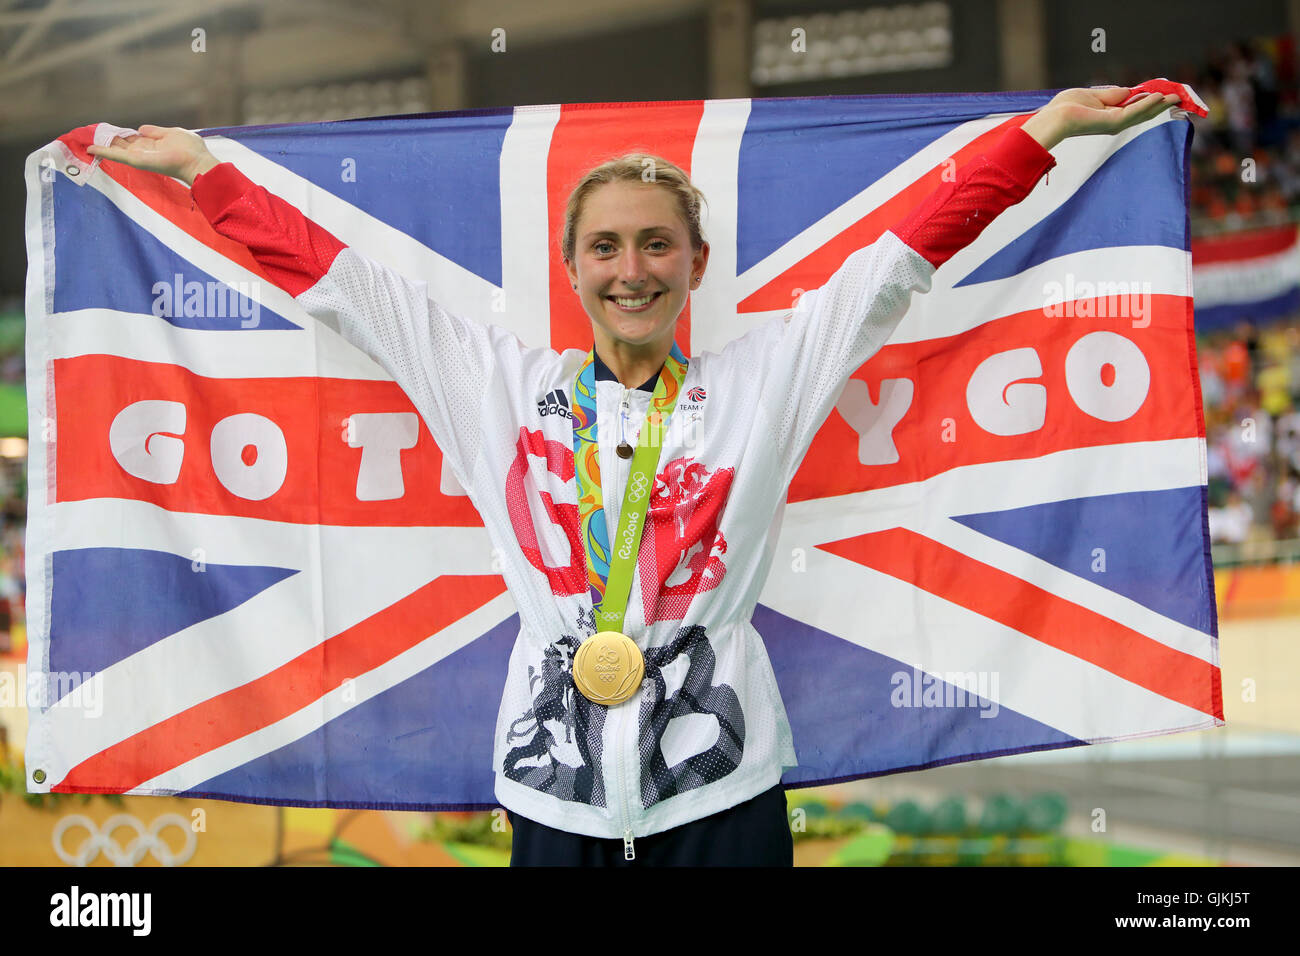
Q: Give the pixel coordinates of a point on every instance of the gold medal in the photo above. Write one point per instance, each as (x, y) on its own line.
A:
(608, 668)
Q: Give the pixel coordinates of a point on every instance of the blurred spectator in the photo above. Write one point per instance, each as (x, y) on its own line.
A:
(1239, 105)
(1287, 439)
(1250, 387)
(1283, 512)
(1231, 523)
(1213, 391)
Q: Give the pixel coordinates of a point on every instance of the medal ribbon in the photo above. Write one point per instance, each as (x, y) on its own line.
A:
(609, 571)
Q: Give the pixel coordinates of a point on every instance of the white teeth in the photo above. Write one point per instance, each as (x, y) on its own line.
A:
(633, 303)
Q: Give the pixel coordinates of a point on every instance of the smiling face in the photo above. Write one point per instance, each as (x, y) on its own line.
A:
(630, 244)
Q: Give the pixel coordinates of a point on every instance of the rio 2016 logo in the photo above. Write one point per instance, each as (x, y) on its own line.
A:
(625, 552)
(608, 664)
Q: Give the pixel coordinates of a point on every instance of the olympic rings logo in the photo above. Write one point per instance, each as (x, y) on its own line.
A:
(640, 483)
(146, 841)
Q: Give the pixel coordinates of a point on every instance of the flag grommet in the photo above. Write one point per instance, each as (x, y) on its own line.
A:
(74, 169)
(38, 776)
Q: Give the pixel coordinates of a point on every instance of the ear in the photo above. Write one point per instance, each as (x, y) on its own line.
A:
(701, 260)
(571, 271)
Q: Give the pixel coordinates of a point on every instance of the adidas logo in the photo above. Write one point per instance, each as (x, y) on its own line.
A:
(555, 403)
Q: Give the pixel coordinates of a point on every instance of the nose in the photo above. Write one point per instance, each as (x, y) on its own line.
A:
(631, 268)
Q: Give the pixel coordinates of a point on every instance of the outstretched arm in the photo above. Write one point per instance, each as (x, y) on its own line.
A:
(953, 216)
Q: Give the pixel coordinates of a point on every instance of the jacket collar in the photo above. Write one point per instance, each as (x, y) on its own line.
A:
(603, 373)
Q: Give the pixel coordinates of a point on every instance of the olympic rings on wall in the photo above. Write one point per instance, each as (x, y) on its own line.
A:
(100, 840)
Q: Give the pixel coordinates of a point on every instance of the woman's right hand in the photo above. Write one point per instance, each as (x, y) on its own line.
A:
(169, 150)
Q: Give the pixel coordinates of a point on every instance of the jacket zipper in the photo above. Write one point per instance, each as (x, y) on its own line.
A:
(629, 849)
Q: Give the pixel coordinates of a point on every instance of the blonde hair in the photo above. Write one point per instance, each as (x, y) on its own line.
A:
(635, 168)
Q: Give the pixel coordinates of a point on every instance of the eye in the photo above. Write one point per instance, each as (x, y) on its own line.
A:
(604, 242)
(662, 243)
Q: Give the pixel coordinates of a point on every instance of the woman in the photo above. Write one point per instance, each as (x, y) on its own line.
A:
(640, 720)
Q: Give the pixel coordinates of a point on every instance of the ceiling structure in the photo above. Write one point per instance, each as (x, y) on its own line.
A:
(212, 62)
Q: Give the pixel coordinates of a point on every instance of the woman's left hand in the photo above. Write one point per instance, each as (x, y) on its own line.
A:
(1084, 112)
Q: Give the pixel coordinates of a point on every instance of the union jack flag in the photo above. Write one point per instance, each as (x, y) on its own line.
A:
(1007, 507)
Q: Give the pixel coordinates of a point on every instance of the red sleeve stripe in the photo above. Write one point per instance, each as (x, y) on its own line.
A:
(956, 213)
(294, 252)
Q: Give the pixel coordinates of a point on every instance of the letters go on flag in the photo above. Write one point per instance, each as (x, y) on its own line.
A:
(242, 537)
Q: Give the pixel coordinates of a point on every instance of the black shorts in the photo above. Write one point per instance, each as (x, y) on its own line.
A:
(753, 833)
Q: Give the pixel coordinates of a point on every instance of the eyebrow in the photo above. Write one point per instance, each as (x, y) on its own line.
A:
(606, 232)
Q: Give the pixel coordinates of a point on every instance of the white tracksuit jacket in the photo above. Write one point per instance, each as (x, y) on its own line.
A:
(707, 728)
